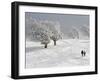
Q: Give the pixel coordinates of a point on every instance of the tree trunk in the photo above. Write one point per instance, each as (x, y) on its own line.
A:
(54, 42)
(45, 46)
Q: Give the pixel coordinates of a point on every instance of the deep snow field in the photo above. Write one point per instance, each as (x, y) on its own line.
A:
(66, 53)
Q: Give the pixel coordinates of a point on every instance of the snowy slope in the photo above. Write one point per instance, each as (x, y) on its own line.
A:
(66, 53)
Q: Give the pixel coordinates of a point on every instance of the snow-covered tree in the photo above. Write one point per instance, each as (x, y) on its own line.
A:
(82, 32)
(56, 33)
(53, 29)
(75, 33)
(85, 29)
(56, 36)
(46, 30)
(41, 35)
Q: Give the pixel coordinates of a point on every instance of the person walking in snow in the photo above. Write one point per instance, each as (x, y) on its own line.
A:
(83, 53)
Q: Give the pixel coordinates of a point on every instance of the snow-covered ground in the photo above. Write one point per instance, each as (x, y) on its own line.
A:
(66, 53)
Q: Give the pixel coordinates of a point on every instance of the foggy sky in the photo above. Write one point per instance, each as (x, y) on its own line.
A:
(66, 20)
